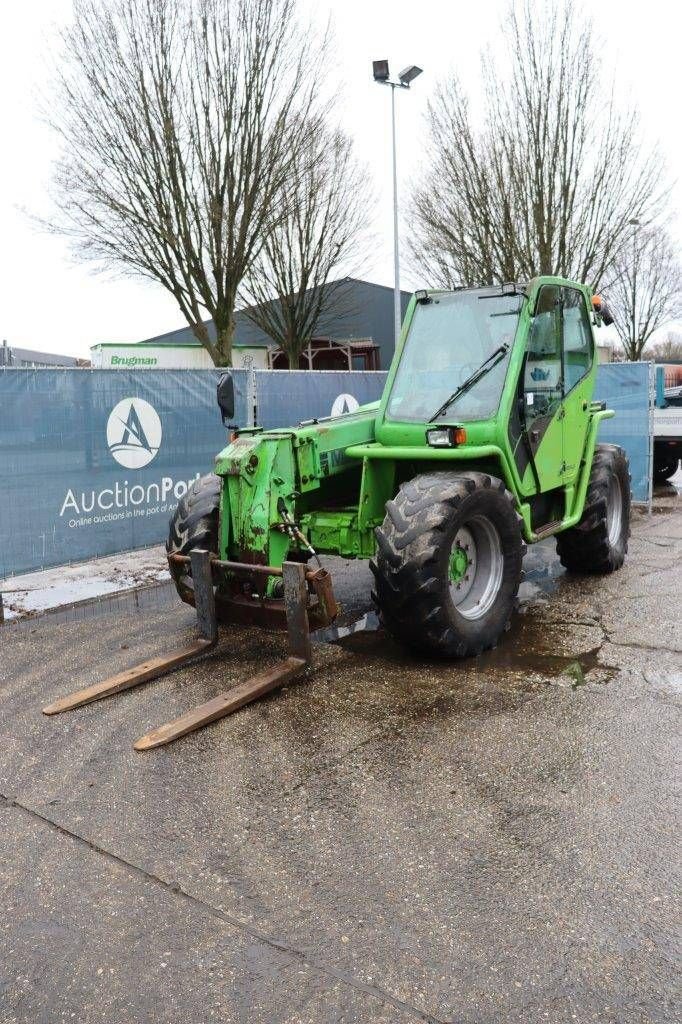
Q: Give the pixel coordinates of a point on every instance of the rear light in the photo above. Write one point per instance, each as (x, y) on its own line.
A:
(446, 437)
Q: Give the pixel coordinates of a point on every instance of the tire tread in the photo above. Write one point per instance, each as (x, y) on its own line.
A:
(585, 548)
(409, 588)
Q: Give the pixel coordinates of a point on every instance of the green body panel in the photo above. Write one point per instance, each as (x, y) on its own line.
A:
(261, 468)
(334, 476)
(337, 531)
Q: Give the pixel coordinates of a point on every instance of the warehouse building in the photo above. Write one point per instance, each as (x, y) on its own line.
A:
(11, 355)
(355, 333)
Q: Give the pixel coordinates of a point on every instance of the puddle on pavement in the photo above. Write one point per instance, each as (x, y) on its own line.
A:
(542, 571)
(364, 636)
(529, 647)
(526, 647)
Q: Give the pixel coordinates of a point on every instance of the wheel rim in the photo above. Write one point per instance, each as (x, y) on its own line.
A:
(476, 566)
(614, 510)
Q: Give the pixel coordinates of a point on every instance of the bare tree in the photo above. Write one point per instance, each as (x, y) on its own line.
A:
(324, 229)
(645, 289)
(668, 349)
(179, 119)
(551, 179)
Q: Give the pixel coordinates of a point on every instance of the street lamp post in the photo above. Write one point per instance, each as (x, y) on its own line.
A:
(635, 227)
(382, 76)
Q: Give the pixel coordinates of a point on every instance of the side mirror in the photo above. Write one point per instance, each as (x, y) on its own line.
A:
(225, 394)
(606, 315)
(600, 307)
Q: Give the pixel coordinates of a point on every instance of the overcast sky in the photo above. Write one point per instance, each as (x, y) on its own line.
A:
(49, 303)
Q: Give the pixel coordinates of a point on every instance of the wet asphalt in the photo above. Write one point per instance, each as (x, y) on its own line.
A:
(392, 841)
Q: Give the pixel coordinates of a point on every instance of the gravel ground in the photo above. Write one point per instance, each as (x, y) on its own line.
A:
(394, 840)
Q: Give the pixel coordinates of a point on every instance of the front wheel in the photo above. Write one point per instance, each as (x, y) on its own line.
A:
(448, 563)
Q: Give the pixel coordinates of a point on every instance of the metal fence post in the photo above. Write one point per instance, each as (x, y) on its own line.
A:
(251, 400)
(652, 404)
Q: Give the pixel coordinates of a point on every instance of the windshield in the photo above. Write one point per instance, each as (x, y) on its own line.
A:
(448, 340)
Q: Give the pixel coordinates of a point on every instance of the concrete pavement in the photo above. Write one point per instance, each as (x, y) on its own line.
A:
(393, 841)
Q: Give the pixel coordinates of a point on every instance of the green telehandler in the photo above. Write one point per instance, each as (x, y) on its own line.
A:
(485, 439)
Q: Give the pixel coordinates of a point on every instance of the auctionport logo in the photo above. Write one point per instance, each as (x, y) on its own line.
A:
(344, 404)
(133, 437)
(134, 433)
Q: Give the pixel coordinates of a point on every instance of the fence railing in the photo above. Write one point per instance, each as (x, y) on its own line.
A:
(94, 461)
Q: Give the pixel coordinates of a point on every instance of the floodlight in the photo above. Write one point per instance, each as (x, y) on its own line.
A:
(409, 74)
(382, 76)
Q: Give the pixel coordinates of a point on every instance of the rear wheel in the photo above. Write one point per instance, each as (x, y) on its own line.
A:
(599, 543)
(448, 563)
(194, 525)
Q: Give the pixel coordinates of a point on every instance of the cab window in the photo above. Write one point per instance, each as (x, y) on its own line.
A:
(577, 337)
(542, 378)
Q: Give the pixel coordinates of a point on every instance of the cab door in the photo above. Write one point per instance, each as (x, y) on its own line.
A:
(543, 392)
(578, 361)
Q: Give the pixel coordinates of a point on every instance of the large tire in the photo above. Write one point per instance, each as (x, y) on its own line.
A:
(665, 468)
(440, 527)
(194, 524)
(599, 543)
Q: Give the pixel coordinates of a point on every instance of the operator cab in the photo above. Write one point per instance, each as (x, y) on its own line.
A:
(452, 335)
(507, 369)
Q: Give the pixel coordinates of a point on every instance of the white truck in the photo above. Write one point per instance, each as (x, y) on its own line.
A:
(667, 429)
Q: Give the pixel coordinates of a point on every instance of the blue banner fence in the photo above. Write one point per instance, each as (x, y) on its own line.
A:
(94, 461)
(629, 389)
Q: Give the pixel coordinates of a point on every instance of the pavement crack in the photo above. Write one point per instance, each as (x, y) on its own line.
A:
(597, 622)
(663, 542)
(313, 963)
(668, 570)
(644, 647)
